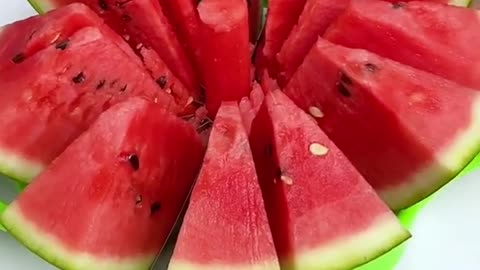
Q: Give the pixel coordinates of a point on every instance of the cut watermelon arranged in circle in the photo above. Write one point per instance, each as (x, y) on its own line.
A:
(429, 36)
(116, 210)
(322, 212)
(226, 216)
(55, 95)
(399, 116)
(315, 129)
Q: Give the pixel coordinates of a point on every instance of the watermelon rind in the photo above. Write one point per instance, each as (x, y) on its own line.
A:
(379, 238)
(460, 3)
(179, 265)
(41, 6)
(55, 252)
(449, 163)
(18, 168)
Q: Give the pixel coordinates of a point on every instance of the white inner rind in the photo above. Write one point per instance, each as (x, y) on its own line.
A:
(18, 167)
(352, 250)
(52, 250)
(449, 162)
(183, 265)
(460, 3)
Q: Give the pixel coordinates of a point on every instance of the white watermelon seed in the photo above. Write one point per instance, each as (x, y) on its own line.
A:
(286, 179)
(318, 149)
(315, 112)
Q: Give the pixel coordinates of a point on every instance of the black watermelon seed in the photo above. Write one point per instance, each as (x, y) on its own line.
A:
(345, 79)
(18, 58)
(371, 67)
(399, 5)
(102, 4)
(268, 150)
(138, 199)
(134, 162)
(154, 208)
(79, 78)
(162, 81)
(100, 84)
(126, 18)
(342, 89)
(124, 88)
(62, 45)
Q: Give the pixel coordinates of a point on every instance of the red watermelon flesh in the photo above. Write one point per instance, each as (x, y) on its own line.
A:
(24, 38)
(115, 211)
(385, 104)
(428, 36)
(249, 106)
(141, 22)
(322, 212)
(226, 226)
(281, 17)
(225, 51)
(55, 95)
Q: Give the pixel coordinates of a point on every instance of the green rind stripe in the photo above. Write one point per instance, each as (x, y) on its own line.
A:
(36, 6)
(3, 206)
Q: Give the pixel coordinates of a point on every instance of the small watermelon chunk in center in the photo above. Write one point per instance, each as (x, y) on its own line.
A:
(111, 199)
(226, 226)
(323, 213)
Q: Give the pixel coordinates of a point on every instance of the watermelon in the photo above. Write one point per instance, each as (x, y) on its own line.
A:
(24, 38)
(226, 216)
(398, 115)
(55, 95)
(255, 12)
(428, 36)
(323, 213)
(225, 51)
(143, 24)
(281, 17)
(249, 106)
(116, 210)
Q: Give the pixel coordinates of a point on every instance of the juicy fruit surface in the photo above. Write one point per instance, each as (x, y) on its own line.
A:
(132, 185)
(316, 16)
(142, 22)
(225, 51)
(55, 96)
(226, 215)
(403, 156)
(428, 36)
(324, 196)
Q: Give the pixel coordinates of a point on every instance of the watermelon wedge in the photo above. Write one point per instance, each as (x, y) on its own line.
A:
(322, 212)
(55, 95)
(398, 114)
(226, 216)
(225, 51)
(281, 17)
(433, 37)
(24, 38)
(116, 210)
(141, 23)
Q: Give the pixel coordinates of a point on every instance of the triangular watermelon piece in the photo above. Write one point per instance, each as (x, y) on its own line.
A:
(111, 199)
(429, 36)
(143, 24)
(225, 51)
(48, 99)
(323, 213)
(226, 226)
(407, 131)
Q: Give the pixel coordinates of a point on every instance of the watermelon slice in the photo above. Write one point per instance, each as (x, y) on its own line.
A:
(55, 95)
(141, 23)
(322, 212)
(116, 210)
(429, 36)
(398, 115)
(281, 17)
(225, 51)
(226, 207)
(24, 38)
